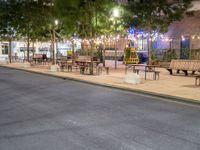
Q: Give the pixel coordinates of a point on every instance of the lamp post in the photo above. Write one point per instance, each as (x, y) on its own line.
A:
(53, 42)
(115, 15)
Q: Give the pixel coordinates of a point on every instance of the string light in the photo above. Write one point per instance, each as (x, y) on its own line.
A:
(193, 37)
(167, 39)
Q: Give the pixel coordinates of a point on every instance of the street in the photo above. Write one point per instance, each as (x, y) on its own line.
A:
(39, 112)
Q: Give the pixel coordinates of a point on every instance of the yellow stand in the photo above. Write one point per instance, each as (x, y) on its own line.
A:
(130, 56)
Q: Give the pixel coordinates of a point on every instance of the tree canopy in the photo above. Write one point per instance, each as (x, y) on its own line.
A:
(87, 19)
(156, 14)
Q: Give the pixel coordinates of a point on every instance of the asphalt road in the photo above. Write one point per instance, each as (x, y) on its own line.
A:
(44, 113)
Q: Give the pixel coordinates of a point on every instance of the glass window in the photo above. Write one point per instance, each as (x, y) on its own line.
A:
(5, 49)
(142, 44)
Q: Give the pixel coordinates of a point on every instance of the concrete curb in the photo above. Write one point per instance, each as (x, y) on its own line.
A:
(138, 91)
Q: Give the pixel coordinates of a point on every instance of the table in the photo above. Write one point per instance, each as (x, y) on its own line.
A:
(84, 64)
(39, 58)
(65, 64)
(147, 68)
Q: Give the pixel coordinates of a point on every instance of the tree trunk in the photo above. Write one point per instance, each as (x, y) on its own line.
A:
(92, 55)
(150, 47)
(10, 51)
(54, 46)
(52, 33)
(28, 49)
(115, 44)
(150, 42)
(28, 44)
(33, 48)
(104, 56)
(73, 53)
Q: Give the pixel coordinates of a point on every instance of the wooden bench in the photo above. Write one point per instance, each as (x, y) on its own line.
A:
(39, 58)
(184, 65)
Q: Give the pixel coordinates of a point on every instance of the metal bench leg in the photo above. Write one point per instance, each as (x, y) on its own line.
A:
(170, 71)
(107, 70)
(185, 71)
(82, 70)
(69, 68)
(193, 72)
(145, 75)
(196, 80)
(99, 70)
(126, 69)
(156, 75)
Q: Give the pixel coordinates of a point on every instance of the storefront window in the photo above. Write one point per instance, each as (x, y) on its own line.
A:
(5, 49)
(142, 44)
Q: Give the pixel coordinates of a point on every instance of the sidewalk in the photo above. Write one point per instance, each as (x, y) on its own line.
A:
(177, 86)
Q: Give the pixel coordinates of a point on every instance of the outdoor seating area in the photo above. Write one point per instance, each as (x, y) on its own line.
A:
(85, 64)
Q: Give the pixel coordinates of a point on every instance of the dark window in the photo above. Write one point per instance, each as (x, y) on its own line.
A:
(5, 49)
(185, 48)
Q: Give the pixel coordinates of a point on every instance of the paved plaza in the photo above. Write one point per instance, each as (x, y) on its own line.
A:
(39, 112)
(176, 85)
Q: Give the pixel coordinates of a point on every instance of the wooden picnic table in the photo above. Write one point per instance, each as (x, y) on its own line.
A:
(65, 63)
(145, 68)
(85, 64)
(39, 58)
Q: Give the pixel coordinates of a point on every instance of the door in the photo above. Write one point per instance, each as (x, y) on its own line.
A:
(185, 48)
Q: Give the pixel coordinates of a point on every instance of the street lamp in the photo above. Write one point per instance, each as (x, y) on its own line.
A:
(116, 14)
(56, 22)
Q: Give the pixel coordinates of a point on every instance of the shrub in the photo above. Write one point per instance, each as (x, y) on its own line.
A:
(169, 55)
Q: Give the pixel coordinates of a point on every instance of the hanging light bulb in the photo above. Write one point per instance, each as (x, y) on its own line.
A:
(193, 37)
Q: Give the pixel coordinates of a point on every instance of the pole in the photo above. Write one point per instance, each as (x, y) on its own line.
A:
(170, 44)
(115, 44)
(10, 50)
(53, 47)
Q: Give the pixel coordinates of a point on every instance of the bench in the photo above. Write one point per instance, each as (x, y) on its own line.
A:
(156, 74)
(39, 58)
(184, 65)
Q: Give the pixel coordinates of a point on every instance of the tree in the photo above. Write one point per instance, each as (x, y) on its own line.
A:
(155, 15)
(35, 19)
(9, 22)
(87, 19)
(95, 20)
